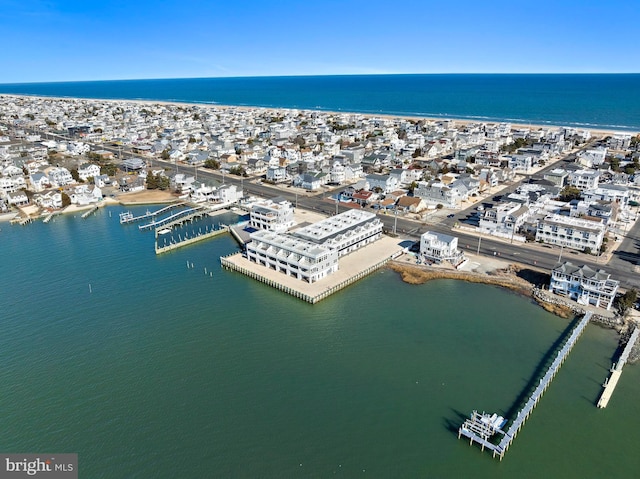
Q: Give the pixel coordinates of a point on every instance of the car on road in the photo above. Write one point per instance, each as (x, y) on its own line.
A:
(450, 216)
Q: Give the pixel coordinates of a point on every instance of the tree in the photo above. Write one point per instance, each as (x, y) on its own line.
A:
(66, 201)
(569, 193)
(74, 174)
(238, 170)
(413, 186)
(212, 164)
(165, 154)
(626, 301)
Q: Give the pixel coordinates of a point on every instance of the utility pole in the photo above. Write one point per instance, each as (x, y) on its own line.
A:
(560, 256)
(479, 241)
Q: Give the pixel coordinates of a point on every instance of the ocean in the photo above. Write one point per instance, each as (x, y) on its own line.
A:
(594, 101)
(149, 369)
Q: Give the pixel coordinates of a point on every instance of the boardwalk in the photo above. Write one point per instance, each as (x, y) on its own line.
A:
(471, 426)
(616, 371)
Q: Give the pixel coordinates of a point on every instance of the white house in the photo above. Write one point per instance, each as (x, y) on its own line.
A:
(583, 284)
(88, 170)
(584, 179)
(59, 176)
(439, 247)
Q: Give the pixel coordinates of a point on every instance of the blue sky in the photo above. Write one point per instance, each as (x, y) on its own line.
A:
(52, 40)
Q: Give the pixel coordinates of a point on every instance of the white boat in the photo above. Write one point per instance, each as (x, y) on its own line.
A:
(164, 231)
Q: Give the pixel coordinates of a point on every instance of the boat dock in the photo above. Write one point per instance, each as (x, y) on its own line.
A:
(127, 217)
(476, 427)
(616, 370)
(50, 216)
(187, 241)
(89, 211)
(176, 218)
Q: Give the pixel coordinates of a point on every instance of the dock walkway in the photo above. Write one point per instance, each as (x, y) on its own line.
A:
(179, 217)
(129, 218)
(616, 370)
(467, 429)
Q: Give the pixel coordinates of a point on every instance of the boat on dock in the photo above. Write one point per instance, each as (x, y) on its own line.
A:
(126, 217)
(164, 231)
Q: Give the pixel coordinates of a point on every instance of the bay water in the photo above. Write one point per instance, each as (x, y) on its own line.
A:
(148, 368)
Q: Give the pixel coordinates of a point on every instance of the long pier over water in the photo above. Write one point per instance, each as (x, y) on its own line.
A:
(616, 371)
(480, 427)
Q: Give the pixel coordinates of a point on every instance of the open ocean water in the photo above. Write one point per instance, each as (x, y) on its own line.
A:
(596, 101)
(163, 371)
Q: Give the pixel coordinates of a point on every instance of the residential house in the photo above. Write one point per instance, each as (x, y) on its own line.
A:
(440, 247)
(583, 284)
(386, 183)
(584, 179)
(60, 176)
(88, 170)
(557, 176)
(435, 193)
(504, 219)
(39, 181)
(17, 198)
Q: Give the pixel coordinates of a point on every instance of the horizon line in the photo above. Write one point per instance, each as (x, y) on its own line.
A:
(321, 75)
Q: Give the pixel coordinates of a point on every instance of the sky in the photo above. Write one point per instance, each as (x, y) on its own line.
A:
(53, 40)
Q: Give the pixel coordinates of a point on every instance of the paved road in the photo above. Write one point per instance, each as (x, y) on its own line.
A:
(622, 266)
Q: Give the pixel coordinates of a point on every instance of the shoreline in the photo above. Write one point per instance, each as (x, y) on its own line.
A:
(593, 129)
(507, 278)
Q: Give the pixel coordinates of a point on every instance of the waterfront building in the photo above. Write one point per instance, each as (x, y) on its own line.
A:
(272, 215)
(574, 233)
(583, 284)
(292, 256)
(439, 247)
(343, 233)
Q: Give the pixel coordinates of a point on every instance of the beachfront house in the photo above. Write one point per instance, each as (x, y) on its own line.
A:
(583, 284)
(439, 247)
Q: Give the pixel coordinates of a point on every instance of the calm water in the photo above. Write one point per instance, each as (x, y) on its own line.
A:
(162, 371)
(609, 101)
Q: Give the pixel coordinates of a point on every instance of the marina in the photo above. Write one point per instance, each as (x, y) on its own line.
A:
(481, 427)
(176, 218)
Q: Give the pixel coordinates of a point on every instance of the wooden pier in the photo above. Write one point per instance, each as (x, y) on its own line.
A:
(129, 218)
(616, 370)
(176, 218)
(187, 241)
(89, 211)
(471, 426)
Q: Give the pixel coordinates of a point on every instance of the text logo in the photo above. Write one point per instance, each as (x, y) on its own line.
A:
(46, 466)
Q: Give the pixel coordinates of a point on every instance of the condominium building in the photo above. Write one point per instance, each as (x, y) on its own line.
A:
(574, 233)
(583, 284)
(302, 259)
(272, 216)
(345, 232)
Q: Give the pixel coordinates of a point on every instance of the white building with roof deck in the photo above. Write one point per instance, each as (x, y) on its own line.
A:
(574, 233)
(584, 179)
(583, 284)
(345, 232)
(439, 247)
(272, 216)
(292, 256)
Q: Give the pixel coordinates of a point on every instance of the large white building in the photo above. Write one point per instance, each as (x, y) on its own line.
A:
(575, 233)
(440, 247)
(583, 284)
(345, 232)
(304, 260)
(272, 216)
(312, 252)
